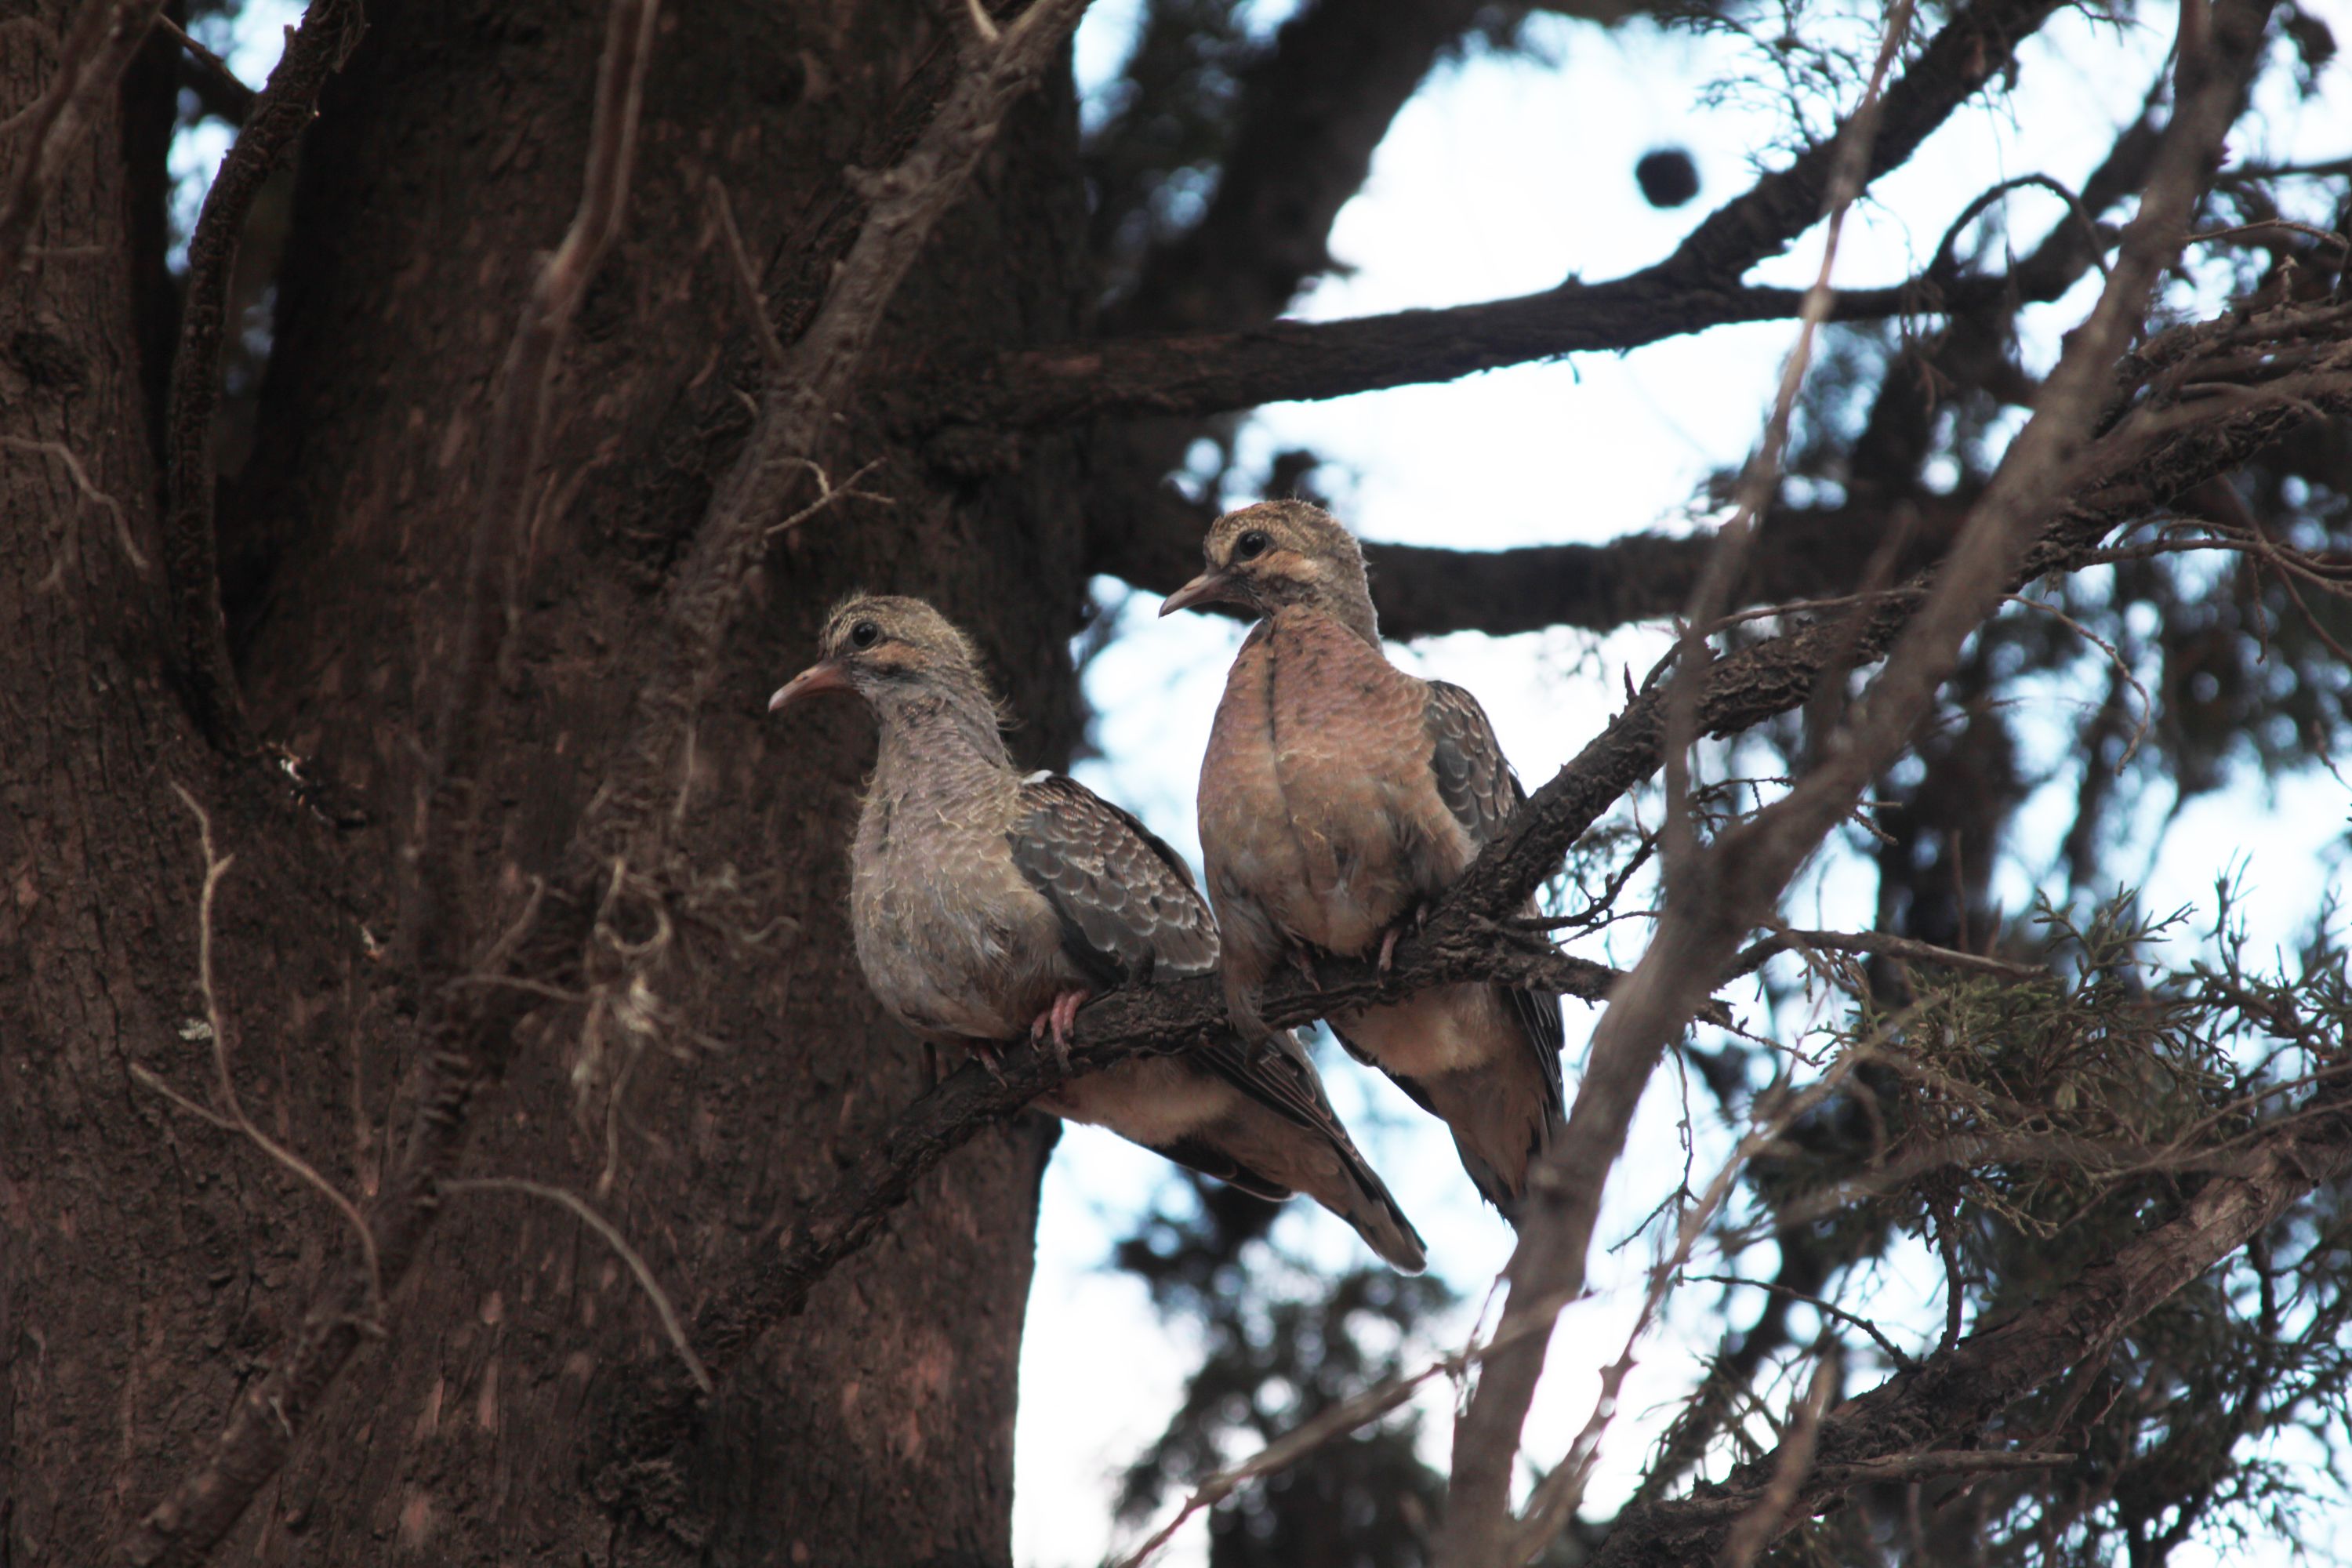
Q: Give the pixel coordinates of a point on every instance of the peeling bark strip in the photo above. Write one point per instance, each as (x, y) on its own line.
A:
(331, 29)
(1955, 1396)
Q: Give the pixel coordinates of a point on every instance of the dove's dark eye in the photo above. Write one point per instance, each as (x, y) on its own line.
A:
(1250, 545)
(864, 633)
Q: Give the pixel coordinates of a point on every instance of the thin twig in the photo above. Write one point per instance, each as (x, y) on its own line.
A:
(237, 107)
(1882, 943)
(2121, 666)
(579, 1207)
(1894, 1353)
(747, 277)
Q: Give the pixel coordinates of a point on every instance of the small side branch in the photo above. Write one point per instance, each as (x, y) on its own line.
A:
(331, 29)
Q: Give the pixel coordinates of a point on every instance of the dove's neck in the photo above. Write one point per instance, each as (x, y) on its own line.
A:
(939, 736)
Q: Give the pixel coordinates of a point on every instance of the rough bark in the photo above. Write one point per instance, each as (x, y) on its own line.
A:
(168, 1258)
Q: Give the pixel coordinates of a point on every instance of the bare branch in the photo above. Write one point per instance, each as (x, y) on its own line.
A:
(1883, 943)
(223, 91)
(1743, 871)
(1896, 1355)
(747, 277)
(91, 59)
(1696, 287)
(331, 29)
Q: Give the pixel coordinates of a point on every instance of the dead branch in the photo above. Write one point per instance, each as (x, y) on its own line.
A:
(331, 29)
(223, 91)
(1741, 874)
(267, 1416)
(747, 277)
(1893, 1352)
(1882, 943)
(91, 59)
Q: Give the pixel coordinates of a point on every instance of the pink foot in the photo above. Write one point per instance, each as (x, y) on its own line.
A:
(1054, 1024)
(1388, 950)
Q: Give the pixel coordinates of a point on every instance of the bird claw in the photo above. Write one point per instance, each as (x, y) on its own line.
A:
(990, 1056)
(1388, 950)
(1051, 1027)
(1304, 962)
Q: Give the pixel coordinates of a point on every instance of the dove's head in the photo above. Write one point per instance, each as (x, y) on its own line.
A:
(895, 653)
(1277, 554)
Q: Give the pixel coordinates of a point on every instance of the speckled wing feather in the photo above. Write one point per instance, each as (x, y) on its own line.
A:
(1472, 779)
(1478, 785)
(1127, 902)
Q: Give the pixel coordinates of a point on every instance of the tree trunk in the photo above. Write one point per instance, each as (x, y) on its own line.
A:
(152, 1261)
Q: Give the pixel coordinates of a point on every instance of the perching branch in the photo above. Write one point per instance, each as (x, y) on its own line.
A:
(1459, 940)
(91, 59)
(459, 1058)
(1737, 878)
(331, 29)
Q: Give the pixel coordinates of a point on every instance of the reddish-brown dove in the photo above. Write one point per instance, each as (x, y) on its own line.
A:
(1340, 798)
(986, 904)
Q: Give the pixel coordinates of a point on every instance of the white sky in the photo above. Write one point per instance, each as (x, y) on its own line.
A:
(1502, 176)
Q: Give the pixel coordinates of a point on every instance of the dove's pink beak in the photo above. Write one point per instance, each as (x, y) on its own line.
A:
(1206, 589)
(813, 681)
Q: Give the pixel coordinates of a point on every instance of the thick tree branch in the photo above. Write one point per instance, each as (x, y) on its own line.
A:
(459, 1058)
(331, 29)
(1696, 287)
(1424, 591)
(1313, 111)
(1952, 1399)
(91, 59)
(1735, 879)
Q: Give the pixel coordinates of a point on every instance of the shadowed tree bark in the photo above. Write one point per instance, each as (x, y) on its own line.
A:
(446, 158)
